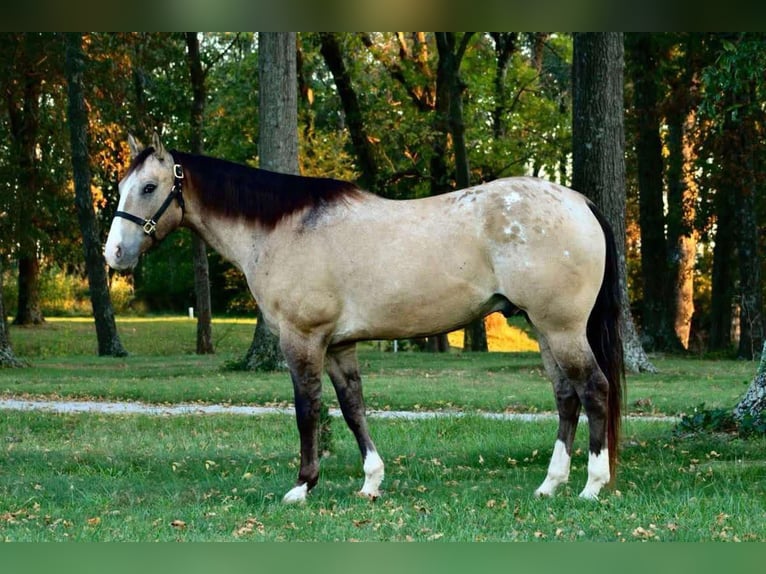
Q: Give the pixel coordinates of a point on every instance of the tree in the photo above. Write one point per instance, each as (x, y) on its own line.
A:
(365, 151)
(199, 249)
(106, 328)
(23, 93)
(733, 96)
(753, 404)
(645, 58)
(278, 151)
(7, 356)
(598, 165)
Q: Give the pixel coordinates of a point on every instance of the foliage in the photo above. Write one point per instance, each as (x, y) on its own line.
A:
(136, 82)
(719, 420)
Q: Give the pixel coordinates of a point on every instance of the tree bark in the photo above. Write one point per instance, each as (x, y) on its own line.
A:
(199, 248)
(103, 313)
(278, 151)
(682, 236)
(753, 403)
(23, 114)
(598, 165)
(28, 308)
(656, 316)
(7, 356)
(722, 282)
(365, 153)
(505, 46)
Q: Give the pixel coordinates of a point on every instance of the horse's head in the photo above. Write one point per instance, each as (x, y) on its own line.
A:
(151, 204)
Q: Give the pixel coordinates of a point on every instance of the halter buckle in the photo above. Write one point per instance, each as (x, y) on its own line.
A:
(149, 226)
(178, 171)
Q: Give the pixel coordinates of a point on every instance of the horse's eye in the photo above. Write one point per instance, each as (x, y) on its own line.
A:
(149, 188)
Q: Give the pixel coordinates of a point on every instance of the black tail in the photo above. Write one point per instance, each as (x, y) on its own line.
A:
(605, 339)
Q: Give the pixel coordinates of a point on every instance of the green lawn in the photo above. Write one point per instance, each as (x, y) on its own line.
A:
(114, 477)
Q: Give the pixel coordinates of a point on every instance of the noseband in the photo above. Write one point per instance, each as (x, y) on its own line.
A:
(150, 225)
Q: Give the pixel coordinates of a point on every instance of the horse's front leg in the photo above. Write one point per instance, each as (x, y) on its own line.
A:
(343, 369)
(305, 358)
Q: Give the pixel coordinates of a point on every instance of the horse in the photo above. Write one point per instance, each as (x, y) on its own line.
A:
(330, 265)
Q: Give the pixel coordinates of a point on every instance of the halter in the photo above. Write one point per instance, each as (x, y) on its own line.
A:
(150, 225)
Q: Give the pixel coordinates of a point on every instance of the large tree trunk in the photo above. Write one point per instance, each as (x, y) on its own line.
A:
(598, 165)
(23, 101)
(753, 403)
(103, 313)
(278, 151)
(656, 321)
(199, 248)
(7, 357)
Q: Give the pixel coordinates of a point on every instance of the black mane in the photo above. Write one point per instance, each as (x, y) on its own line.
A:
(237, 190)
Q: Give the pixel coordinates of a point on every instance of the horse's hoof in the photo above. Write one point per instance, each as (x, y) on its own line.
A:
(541, 493)
(297, 495)
(371, 496)
(588, 494)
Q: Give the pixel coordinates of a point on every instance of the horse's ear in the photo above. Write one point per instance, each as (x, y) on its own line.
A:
(159, 149)
(135, 146)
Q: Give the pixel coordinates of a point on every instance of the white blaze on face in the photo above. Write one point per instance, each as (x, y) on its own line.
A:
(124, 241)
(558, 470)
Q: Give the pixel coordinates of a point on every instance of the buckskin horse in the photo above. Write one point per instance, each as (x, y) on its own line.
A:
(331, 265)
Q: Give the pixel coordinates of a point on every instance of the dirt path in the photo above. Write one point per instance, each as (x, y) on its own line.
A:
(134, 408)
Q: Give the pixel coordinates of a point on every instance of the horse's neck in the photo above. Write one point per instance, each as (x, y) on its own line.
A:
(234, 239)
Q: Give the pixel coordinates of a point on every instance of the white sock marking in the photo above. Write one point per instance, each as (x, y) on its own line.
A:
(296, 495)
(598, 474)
(373, 475)
(558, 470)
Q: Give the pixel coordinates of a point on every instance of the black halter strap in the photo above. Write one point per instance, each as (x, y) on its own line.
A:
(150, 225)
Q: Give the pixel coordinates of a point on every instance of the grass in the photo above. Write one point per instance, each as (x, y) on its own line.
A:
(97, 477)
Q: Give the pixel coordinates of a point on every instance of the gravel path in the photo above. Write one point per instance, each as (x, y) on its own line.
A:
(134, 408)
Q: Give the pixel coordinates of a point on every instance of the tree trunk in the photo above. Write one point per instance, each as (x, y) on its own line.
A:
(23, 99)
(7, 356)
(722, 282)
(199, 248)
(28, 310)
(751, 298)
(450, 57)
(278, 151)
(753, 404)
(505, 46)
(657, 329)
(682, 237)
(365, 153)
(103, 313)
(598, 165)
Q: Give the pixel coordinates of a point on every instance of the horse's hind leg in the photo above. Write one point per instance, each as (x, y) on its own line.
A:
(568, 404)
(343, 368)
(578, 371)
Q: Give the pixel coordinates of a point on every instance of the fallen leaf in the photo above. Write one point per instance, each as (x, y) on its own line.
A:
(95, 521)
(180, 524)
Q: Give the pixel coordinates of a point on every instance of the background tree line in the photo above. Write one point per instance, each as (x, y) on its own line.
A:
(407, 115)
